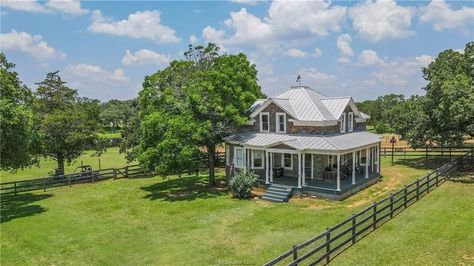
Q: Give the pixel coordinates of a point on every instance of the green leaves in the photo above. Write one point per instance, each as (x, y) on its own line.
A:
(193, 103)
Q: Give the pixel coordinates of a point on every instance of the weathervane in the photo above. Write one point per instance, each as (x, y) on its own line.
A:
(298, 80)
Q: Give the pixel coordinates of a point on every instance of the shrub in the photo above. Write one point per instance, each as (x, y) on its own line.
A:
(242, 183)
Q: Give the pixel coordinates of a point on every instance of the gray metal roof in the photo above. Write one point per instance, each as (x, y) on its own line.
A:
(336, 105)
(337, 142)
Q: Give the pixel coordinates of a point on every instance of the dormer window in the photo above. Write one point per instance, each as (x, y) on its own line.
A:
(343, 123)
(281, 122)
(264, 122)
(350, 126)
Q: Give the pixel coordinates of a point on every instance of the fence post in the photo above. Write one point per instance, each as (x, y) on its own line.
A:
(405, 197)
(328, 244)
(92, 177)
(15, 188)
(374, 219)
(69, 180)
(437, 177)
(391, 205)
(353, 228)
(114, 173)
(44, 185)
(427, 184)
(295, 253)
(426, 152)
(384, 151)
(450, 153)
(417, 189)
(126, 171)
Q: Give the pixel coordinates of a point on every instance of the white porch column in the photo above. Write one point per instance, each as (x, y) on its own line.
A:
(372, 151)
(367, 158)
(353, 168)
(378, 158)
(338, 188)
(312, 166)
(271, 167)
(267, 164)
(299, 170)
(245, 158)
(304, 169)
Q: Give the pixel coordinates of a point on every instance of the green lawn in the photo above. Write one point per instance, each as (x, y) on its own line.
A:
(171, 222)
(111, 158)
(436, 231)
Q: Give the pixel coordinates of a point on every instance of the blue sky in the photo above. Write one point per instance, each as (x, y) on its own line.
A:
(365, 49)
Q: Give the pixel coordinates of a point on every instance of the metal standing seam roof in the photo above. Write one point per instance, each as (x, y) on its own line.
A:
(336, 105)
(337, 142)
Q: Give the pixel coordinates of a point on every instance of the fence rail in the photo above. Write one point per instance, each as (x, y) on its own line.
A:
(131, 171)
(323, 247)
(432, 151)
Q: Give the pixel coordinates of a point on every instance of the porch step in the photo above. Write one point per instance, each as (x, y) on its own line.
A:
(277, 193)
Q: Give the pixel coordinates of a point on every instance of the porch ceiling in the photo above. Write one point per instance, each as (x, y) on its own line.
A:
(338, 142)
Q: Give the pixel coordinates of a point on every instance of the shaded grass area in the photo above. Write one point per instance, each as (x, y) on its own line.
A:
(169, 222)
(111, 158)
(438, 230)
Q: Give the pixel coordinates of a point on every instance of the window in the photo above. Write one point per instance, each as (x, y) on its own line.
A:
(264, 122)
(362, 157)
(351, 122)
(343, 123)
(257, 159)
(287, 161)
(239, 157)
(281, 122)
(332, 161)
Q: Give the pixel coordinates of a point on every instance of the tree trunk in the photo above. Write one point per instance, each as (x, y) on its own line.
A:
(211, 151)
(60, 170)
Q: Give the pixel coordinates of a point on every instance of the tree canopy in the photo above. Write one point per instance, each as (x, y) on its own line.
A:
(193, 103)
(17, 137)
(67, 124)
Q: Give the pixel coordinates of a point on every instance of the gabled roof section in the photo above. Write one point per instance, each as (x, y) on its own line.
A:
(337, 105)
(307, 104)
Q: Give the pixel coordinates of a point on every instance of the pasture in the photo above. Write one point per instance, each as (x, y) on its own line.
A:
(185, 222)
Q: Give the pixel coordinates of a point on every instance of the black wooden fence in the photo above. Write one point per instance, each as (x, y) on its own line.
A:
(323, 247)
(131, 171)
(16, 187)
(431, 151)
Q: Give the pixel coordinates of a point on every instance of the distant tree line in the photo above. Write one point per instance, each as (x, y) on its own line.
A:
(443, 116)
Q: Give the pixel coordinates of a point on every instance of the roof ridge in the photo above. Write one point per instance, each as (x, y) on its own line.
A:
(312, 103)
(332, 144)
(336, 97)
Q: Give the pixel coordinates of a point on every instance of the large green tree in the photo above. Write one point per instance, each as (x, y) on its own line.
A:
(17, 137)
(67, 124)
(449, 102)
(194, 103)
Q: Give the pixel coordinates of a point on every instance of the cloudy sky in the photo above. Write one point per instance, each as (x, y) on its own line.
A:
(363, 49)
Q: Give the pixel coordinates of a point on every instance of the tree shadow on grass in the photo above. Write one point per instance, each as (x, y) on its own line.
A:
(14, 207)
(422, 162)
(185, 188)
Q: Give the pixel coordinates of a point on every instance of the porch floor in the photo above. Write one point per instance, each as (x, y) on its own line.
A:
(323, 185)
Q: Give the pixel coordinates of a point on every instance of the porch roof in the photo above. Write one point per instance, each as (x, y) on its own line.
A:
(337, 142)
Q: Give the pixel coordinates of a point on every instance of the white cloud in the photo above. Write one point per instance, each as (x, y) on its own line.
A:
(343, 60)
(443, 17)
(317, 52)
(246, 2)
(95, 82)
(376, 21)
(293, 52)
(28, 5)
(344, 44)
(286, 20)
(71, 7)
(142, 24)
(370, 57)
(424, 60)
(193, 39)
(30, 44)
(316, 17)
(144, 57)
(312, 75)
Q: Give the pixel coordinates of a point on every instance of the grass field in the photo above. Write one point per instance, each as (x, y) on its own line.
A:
(436, 231)
(178, 221)
(111, 158)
